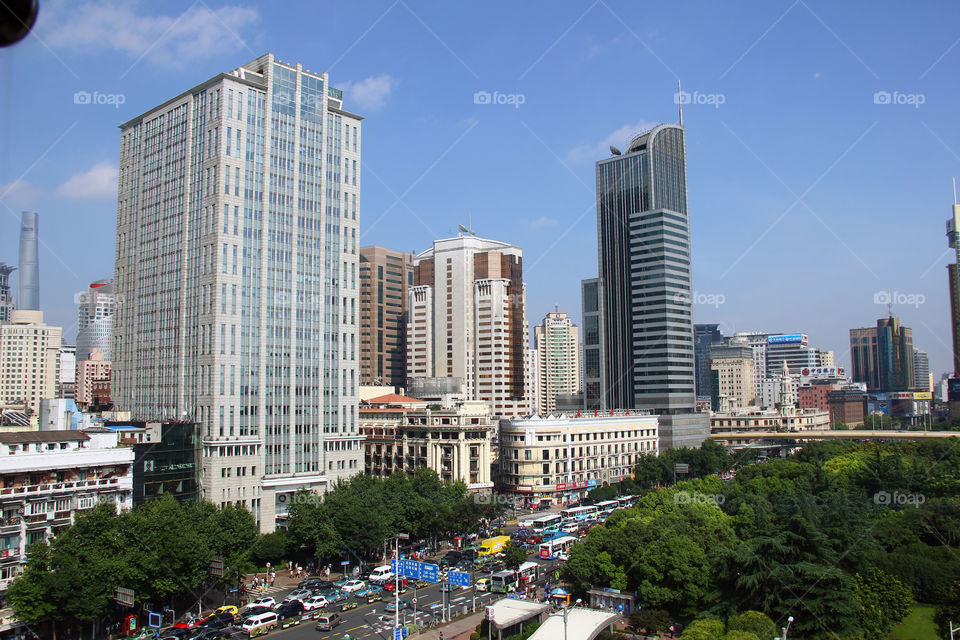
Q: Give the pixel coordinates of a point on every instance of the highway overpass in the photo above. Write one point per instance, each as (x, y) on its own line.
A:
(852, 434)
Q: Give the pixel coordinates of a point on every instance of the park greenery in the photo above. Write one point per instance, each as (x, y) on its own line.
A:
(844, 537)
(163, 549)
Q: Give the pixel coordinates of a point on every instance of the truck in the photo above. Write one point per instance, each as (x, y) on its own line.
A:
(494, 545)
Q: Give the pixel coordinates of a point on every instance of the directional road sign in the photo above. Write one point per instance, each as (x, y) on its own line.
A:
(459, 578)
(429, 572)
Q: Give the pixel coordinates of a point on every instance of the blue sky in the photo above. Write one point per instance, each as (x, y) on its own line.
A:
(810, 193)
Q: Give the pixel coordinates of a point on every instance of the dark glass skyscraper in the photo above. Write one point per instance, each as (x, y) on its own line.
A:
(644, 249)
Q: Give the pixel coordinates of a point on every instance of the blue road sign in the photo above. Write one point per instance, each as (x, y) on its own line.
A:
(429, 572)
(344, 563)
(399, 634)
(459, 578)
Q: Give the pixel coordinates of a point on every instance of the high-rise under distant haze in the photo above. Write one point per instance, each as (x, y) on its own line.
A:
(643, 231)
(6, 296)
(237, 266)
(28, 294)
(558, 359)
(95, 320)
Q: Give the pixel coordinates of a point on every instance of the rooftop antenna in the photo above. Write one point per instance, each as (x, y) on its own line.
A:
(680, 100)
(955, 191)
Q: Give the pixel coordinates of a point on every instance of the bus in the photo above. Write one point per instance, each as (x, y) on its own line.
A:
(503, 581)
(550, 550)
(528, 572)
(493, 545)
(547, 523)
(607, 507)
(627, 501)
(578, 513)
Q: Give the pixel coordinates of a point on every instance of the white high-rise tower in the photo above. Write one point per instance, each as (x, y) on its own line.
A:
(237, 277)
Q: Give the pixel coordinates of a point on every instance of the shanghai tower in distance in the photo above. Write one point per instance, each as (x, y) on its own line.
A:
(28, 297)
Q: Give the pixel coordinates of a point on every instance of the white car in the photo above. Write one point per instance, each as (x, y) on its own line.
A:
(262, 602)
(315, 602)
(298, 594)
(353, 585)
(563, 556)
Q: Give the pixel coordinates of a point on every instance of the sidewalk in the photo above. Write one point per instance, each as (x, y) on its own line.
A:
(459, 629)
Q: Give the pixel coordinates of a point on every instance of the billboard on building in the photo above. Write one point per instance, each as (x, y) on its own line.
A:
(793, 338)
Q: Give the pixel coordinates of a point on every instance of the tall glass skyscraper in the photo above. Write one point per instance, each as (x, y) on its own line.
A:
(644, 250)
(236, 280)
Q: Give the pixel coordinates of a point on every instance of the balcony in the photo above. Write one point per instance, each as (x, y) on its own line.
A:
(31, 490)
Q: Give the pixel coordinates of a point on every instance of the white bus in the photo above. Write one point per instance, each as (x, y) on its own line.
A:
(627, 501)
(528, 570)
(547, 523)
(607, 506)
(550, 550)
(578, 513)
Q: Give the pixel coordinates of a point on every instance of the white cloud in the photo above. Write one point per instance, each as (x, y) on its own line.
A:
(600, 150)
(18, 193)
(542, 222)
(167, 39)
(99, 182)
(370, 93)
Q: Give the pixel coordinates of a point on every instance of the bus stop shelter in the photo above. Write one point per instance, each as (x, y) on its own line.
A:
(580, 623)
(508, 615)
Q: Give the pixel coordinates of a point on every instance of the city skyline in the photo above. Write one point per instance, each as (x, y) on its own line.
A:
(751, 153)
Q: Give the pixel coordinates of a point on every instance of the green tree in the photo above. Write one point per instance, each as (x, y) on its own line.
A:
(32, 595)
(649, 621)
(514, 556)
(948, 612)
(739, 635)
(755, 622)
(270, 547)
(704, 629)
(884, 601)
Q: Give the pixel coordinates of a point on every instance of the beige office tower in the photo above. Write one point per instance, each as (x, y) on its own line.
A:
(468, 320)
(236, 273)
(29, 361)
(385, 278)
(558, 357)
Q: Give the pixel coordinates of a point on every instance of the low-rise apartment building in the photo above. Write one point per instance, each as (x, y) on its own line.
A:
(561, 458)
(403, 434)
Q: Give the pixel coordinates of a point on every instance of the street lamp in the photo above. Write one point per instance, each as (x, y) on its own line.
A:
(396, 578)
(565, 613)
(787, 628)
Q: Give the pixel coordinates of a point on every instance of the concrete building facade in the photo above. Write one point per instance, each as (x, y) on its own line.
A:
(557, 342)
(6, 293)
(385, 279)
(95, 320)
(237, 263)
(89, 371)
(562, 457)
(468, 320)
(29, 360)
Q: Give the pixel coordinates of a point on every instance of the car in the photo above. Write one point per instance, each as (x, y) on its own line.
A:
(374, 596)
(353, 585)
(217, 620)
(346, 606)
(250, 612)
(315, 602)
(452, 558)
(391, 606)
(337, 595)
(483, 585)
(288, 610)
(563, 556)
(310, 583)
(328, 622)
(265, 601)
(298, 594)
(228, 608)
(189, 622)
(321, 588)
(390, 586)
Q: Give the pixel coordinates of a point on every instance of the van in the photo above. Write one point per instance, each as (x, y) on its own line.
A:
(383, 573)
(328, 621)
(261, 624)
